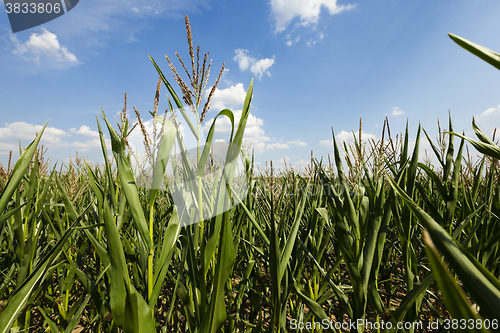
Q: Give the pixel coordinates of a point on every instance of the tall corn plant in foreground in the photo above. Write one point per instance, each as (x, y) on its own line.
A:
(482, 285)
(210, 242)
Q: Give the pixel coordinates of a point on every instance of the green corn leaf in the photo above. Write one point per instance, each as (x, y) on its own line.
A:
(482, 285)
(341, 296)
(70, 209)
(315, 308)
(109, 174)
(52, 324)
(229, 171)
(485, 148)
(214, 319)
(235, 145)
(96, 187)
(18, 301)
(451, 201)
(290, 241)
(169, 240)
(409, 301)
(77, 316)
(164, 151)
(11, 212)
(208, 143)
(454, 297)
(252, 218)
(434, 148)
(31, 184)
(351, 213)
(449, 154)
(436, 180)
(118, 272)
(482, 52)
(138, 315)
(373, 235)
(480, 134)
(129, 187)
(19, 171)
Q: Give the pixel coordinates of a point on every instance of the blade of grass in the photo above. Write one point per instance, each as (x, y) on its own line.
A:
(18, 301)
(483, 286)
(491, 57)
(454, 298)
(19, 171)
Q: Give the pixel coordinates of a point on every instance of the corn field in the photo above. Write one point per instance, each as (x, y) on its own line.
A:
(373, 236)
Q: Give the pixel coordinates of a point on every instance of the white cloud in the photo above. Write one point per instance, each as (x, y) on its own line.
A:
(57, 141)
(327, 143)
(44, 49)
(273, 146)
(257, 67)
(25, 131)
(5, 148)
(89, 145)
(301, 162)
(488, 120)
(233, 96)
(261, 67)
(396, 111)
(297, 142)
(243, 59)
(489, 113)
(343, 136)
(284, 11)
(290, 41)
(348, 137)
(310, 42)
(281, 161)
(85, 130)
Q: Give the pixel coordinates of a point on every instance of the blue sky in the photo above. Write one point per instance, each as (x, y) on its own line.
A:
(316, 64)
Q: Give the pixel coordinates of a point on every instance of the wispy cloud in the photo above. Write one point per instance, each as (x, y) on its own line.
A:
(301, 163)
(96, 16)
(327, 143)
(44, 49)
(280, 162)
(347, 137)
(489, 113)
(489, 120)
(284, 11)
(273, 146)
(297, 142)
(396, 111)
(290, 41)
(257, 67)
